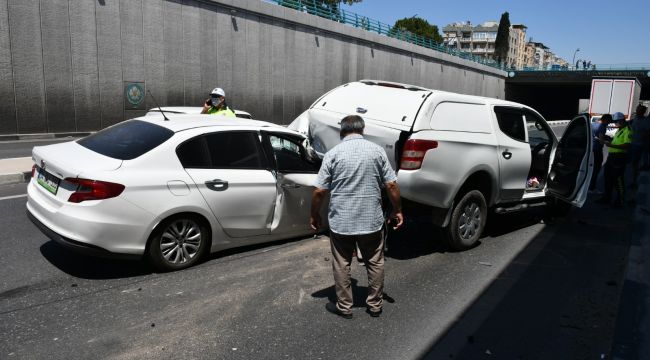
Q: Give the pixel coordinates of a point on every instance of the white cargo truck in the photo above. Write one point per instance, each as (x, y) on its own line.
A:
(610, 95)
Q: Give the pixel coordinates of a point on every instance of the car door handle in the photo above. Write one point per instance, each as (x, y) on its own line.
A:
(290, 186)
(217, 185)
(507, 154)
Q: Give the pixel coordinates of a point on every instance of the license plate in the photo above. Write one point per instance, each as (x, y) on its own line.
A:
(48, 181)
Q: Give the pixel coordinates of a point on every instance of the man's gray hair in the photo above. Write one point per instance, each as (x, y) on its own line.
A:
(352, 124)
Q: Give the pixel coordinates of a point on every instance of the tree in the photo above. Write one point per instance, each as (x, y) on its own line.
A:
(335, 5)
(502, 42)
(418, 26)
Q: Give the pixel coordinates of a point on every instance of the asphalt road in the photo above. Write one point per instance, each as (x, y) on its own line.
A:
(526, 287)
(530, 290)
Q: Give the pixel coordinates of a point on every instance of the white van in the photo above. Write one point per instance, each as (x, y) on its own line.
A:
(459, 155)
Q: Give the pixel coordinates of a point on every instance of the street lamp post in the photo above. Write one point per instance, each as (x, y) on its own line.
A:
(574, 57)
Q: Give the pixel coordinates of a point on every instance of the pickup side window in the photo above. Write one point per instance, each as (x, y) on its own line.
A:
(511, 122)
(538, 131)
(455, 116)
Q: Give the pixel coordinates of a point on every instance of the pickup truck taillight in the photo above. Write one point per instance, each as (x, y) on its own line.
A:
(414, 151)
(93, 190)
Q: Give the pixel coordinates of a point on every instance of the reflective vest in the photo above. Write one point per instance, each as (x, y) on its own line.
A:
(622, 136)
(225, 111)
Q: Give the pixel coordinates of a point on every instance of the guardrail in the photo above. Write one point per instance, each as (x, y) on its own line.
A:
(593, 67)
(368, 24)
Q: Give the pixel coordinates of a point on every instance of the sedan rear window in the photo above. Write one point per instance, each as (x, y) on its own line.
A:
(127, 140)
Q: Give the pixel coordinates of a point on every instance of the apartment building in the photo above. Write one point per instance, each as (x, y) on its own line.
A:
(480, 40)
(517, 51)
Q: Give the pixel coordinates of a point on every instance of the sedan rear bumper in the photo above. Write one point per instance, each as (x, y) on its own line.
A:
(86, 249)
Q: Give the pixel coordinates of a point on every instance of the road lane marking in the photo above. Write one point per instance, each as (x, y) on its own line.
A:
(12, 197)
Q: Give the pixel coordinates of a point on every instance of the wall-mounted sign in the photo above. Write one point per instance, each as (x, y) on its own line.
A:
(134, 95)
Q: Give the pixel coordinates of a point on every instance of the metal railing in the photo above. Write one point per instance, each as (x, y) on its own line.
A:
(368, 24)
(593, 67)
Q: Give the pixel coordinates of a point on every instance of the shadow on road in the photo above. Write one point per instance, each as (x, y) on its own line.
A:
(415, 239)
(359, 294)
(88, 267)
(502, 224)
(420, 238)
(557, 299)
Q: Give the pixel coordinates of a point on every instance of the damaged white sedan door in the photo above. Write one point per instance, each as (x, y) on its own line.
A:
(296, 173)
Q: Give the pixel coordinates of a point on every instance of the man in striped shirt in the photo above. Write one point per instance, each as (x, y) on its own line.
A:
(353, 173)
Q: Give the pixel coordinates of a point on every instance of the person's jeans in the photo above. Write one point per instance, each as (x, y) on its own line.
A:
(372, 249)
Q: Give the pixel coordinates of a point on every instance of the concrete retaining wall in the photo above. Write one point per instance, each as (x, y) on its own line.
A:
(63, 63)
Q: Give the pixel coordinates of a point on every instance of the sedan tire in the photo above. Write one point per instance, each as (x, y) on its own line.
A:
(178, 243)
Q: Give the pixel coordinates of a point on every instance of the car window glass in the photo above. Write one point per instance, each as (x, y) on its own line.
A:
(511, 123)
(453, 116)
(574, 138)
(223, 150)
(538, 133)
(290, 156)
(195, 154)
(127, 140)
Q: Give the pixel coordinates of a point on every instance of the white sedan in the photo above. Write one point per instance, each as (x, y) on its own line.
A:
(173, 191)
(190, 110)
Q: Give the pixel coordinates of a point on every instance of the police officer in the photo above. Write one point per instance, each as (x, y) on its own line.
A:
(616, 161)
(216, 104)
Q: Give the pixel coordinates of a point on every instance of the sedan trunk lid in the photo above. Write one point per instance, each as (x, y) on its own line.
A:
(69, 159)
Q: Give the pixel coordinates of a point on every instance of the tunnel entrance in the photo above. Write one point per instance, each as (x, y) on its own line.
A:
(556, 94)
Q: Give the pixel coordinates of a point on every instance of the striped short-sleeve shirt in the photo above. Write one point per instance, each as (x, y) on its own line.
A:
(354, 172)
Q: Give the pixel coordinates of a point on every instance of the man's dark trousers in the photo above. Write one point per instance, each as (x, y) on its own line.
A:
(614, 176)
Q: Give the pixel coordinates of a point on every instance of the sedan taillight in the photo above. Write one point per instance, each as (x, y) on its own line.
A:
(414, 151)
(93, 190)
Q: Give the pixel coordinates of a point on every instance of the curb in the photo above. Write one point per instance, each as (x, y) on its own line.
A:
(15, 178)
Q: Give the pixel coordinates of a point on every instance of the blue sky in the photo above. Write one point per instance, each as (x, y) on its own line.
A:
(607, 32)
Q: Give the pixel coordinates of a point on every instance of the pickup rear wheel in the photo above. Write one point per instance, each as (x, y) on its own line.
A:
(467, 222)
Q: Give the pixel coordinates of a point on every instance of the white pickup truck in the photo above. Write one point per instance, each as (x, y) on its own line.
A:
(460, 155)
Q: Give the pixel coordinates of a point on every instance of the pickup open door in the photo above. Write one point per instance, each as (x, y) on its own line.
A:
(572, 164)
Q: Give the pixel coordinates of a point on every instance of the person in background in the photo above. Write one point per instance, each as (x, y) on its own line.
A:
(598, 129)
(216, 104)
(616, 161)
(353, 173)
(640, 138)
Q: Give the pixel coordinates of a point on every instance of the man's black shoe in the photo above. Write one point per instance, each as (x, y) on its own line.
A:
(331, 307)
(374, 313)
